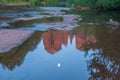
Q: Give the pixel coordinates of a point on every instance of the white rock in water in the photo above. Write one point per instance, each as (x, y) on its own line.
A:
(113, 23)
(80, 19)
(4, 25)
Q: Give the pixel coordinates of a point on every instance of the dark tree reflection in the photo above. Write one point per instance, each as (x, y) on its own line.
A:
(100, 44)
(16, 56)
(104, 62)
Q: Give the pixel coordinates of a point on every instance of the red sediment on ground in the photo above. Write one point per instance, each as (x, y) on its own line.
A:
(12, 38)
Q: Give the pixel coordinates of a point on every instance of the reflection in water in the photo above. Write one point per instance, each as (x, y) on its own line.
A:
(82, 42)
(53, 40)
(104, 64)
(100, 45)
(16, 56)
(58, 65)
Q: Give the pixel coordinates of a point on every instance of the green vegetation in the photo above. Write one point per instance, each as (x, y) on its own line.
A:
(96, 3)
(12, 1)
(73, 3)
(108, 3)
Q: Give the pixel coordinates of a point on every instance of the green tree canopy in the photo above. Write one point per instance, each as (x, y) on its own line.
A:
(93, 3)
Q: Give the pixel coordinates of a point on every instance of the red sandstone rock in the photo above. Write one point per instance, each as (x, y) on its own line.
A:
(82, 8)
(53, 40)
(80, 41)
(12, 38)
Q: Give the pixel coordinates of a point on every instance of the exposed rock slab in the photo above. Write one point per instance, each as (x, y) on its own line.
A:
(4, 25)
(12, 38)
(113, 23)
(69, 22)
(31, 18)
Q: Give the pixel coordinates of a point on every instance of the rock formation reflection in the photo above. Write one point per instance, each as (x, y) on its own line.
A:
(103, 61)
(53, 40)
(83, 41)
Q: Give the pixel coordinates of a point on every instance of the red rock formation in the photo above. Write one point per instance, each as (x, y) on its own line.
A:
(12, 38)
(83, 42)
(80, 41)
(53, 40)
(65, 35)
(82, 8)
(90, 39)
(71, 37)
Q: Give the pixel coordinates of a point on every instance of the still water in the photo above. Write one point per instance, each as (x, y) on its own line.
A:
(42, 62)
(90, 51)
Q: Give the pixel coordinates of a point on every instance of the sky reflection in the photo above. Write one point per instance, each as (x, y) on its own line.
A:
(67, 63)
(73, 55)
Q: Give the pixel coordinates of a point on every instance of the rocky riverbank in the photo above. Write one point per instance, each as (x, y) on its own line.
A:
(12, 38)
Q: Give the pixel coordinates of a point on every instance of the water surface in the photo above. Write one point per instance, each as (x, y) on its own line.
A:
(87, 52)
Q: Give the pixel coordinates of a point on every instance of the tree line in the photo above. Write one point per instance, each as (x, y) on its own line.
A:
(90, 3)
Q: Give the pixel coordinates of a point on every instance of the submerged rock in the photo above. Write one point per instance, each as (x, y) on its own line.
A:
(4, 25)
(55, 8)
(112, 23)
(12, 38)
(69, 22)
(54, 19)
(35, 18)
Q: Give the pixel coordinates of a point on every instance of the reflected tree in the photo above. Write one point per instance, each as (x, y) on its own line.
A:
(104, 63)
(16, 56)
